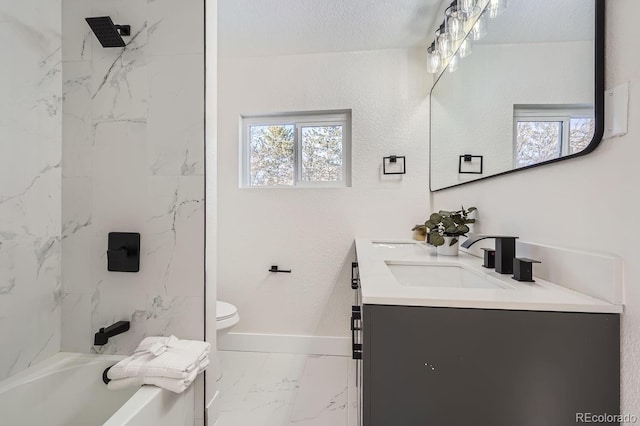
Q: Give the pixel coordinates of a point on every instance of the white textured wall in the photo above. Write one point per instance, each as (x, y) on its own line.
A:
(30, 157)
(580, 203)
(311, 231)
(133, 161)
(483, 92)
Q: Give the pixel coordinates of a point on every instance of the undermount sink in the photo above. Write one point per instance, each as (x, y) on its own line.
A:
(441, 275)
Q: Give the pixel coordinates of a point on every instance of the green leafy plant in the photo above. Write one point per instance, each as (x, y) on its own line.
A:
(448, 224)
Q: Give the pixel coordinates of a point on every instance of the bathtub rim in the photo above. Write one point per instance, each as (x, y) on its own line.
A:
(59, 362)
(63, 361)
(135, 404)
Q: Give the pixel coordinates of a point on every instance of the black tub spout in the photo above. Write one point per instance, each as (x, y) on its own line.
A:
(102, 336)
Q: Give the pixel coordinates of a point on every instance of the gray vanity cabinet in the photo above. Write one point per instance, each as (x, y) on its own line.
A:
(426, 366)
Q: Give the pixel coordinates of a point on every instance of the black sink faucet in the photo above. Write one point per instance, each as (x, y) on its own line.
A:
(102, 336)
(505, 250)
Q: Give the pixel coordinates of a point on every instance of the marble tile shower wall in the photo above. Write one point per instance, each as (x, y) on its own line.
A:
(30, 158)
(133, 161)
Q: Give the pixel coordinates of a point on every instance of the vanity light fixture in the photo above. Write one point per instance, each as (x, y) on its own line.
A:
(464, 21)
(465, 48)
(434, 60)
(496, 7)
(443, 42)
(454, 22)
(454, 63)
(479, 29)
(468, 7)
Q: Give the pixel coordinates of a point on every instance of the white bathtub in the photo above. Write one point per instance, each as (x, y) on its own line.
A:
(67, 390)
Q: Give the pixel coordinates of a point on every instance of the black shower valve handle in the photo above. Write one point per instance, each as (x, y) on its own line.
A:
(122, 250)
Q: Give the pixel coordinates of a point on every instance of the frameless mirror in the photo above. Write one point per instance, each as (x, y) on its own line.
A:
(530, 93)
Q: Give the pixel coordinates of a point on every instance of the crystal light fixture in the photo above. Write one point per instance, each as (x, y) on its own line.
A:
(454, 24)
(443, 42)
(496, 7)
(465, 48)
(467, 7)
(465, 21)
(479, 29)
(454, 63)
(434, 60)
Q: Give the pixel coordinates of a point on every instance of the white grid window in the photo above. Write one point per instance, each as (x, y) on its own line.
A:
(545, 132)
(296, 150)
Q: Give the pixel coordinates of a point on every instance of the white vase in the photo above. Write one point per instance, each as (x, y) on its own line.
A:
(447, 249)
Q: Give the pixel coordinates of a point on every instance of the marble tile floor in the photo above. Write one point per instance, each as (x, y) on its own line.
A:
(276, 389)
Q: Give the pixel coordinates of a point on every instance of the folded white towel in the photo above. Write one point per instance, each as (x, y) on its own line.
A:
(159, 345)
(173, 385)
(166, 357)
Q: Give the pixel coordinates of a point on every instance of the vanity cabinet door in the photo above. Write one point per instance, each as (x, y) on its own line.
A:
(448, 366)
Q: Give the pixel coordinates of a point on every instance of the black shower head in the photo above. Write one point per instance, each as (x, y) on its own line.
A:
(108, 34)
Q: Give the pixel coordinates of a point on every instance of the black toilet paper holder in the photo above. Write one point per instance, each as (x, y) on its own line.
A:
(274, 268)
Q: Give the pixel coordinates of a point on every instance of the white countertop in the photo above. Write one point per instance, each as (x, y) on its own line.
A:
(380, 287)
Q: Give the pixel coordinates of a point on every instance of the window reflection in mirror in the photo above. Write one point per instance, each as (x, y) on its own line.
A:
(546, 132)
(523, 97)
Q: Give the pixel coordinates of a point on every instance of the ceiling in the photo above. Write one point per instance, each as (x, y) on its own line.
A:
(287, 27)
(248, 28)
(542, 21)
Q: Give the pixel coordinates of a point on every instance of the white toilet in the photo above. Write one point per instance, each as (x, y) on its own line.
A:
(226, 317)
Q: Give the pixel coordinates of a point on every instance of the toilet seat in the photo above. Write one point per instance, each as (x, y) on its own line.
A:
(225, 310)
(226, 315)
